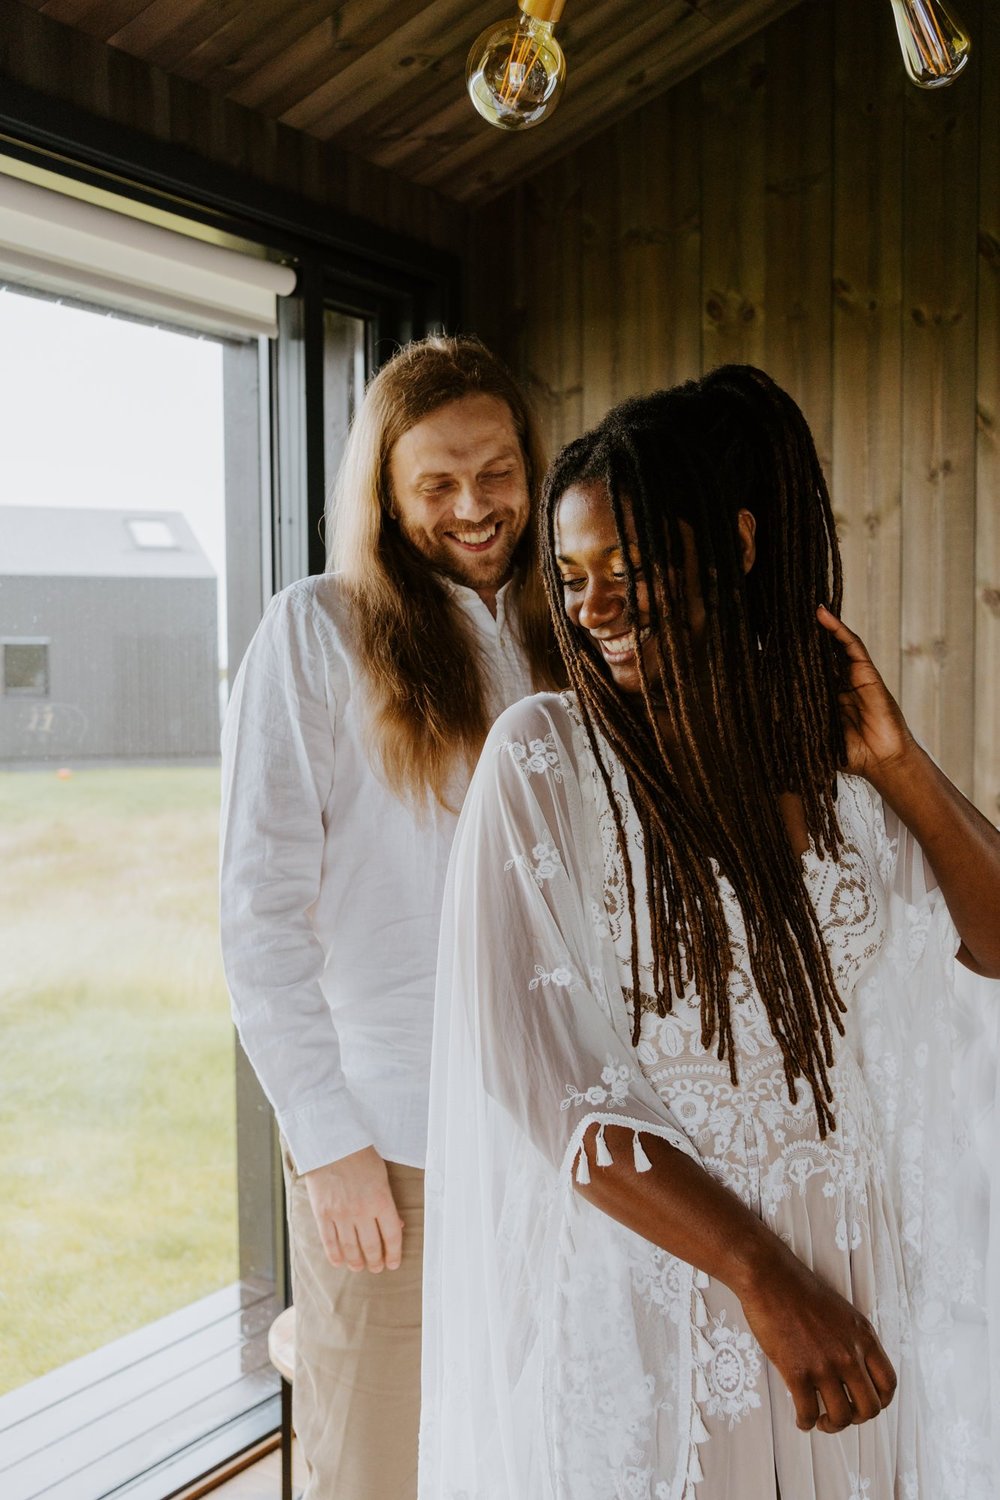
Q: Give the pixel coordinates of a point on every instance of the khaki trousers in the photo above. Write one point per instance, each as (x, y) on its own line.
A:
(356, 1394)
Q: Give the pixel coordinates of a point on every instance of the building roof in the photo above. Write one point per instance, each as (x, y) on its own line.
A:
(49, 541)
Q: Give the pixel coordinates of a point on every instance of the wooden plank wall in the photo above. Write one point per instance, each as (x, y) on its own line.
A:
(799, 205)
(55, 59)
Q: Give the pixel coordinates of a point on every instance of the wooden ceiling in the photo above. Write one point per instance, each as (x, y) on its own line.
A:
(385, 78)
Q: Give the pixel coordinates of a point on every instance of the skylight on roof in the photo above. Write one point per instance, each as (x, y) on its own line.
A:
(151, 533)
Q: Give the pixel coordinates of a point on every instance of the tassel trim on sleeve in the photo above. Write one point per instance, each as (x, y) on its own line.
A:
(703, 1353)
(603, 1158)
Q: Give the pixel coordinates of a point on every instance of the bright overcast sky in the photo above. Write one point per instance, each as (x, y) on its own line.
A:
(102, 412)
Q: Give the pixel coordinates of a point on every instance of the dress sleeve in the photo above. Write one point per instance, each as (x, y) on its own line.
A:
(536, 1304)
(278, 763)
(930, 1051)
(525, 965)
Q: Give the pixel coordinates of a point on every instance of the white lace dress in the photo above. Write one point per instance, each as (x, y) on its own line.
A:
(566, 1358)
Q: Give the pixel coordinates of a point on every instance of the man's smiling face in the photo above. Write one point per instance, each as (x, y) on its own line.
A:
(460, 491)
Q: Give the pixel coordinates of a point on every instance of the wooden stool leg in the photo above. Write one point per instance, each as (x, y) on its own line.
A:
(286, 1440)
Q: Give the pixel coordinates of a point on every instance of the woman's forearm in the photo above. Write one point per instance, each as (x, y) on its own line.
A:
(960, 845)
(683, 1209)
(825, 1350)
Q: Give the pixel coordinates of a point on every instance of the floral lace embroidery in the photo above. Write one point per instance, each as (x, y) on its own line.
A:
(605, 1406)
(662, 1281)
(537, 757)
(560, 976)
(613, 1088)
(758, 1141)
(612, 1421)
(732, 1370)
(548, 862)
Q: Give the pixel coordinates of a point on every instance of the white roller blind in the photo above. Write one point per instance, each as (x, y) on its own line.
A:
(57, 243)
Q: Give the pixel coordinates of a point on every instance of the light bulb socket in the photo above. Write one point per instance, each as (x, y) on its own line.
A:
(543, 10)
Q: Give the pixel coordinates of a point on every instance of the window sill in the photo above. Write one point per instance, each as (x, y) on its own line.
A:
(145, 1416)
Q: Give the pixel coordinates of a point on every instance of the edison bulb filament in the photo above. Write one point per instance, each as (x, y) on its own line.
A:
(516, 69)
(933, 41)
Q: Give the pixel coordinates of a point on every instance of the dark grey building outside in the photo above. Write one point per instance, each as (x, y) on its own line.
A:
(108, 637)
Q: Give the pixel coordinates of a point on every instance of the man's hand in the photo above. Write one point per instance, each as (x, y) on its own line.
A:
(355, 1212)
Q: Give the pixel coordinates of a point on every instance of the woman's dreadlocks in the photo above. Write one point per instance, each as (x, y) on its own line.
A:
(699, 453)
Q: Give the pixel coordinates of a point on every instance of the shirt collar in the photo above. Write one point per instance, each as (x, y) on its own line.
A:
(472, 603)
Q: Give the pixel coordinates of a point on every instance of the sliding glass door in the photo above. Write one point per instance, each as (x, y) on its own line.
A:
(134, 562)
(157, 484)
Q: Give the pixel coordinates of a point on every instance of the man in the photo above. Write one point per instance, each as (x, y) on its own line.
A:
(354, 724)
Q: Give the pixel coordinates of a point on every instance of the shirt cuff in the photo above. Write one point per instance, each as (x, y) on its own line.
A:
(320, 1133)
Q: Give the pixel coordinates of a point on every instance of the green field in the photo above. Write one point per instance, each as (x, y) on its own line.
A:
(117, 1116)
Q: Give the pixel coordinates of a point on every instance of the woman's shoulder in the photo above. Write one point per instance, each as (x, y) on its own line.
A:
(537, 733)
(541, 715)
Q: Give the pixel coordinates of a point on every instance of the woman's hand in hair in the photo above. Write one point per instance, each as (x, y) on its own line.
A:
(961, 847)
(875, 732)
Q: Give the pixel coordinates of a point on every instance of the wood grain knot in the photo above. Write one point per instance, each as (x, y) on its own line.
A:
(989, 249)
(729, 309)
(935, 650)
(923, 318)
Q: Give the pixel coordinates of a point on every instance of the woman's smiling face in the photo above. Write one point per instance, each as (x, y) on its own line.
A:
(592, 567)
(594, 580)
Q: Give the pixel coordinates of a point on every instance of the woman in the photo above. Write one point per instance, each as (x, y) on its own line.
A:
(691, 1234)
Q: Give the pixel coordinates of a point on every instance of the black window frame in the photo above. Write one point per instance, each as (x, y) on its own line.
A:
(403, 288)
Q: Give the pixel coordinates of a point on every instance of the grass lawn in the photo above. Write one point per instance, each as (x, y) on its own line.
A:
(117, 1114)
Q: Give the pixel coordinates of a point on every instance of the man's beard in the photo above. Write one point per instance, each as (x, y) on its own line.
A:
(488, 570)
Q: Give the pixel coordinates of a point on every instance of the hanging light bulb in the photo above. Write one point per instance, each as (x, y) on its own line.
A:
(516, 70)
(934, 43)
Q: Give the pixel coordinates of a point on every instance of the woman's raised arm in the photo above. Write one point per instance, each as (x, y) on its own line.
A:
(960, 845)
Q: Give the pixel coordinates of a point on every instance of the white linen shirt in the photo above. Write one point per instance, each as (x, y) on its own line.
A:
(331, 885)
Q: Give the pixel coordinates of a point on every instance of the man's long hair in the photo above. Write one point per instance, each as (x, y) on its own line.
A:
(430, 710)
(706, 765)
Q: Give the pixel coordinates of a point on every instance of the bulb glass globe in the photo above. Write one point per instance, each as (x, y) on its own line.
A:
(934, 43)
(516, 72)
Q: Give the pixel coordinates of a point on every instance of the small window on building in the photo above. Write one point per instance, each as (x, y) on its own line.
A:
(151, 534)
(26, 668)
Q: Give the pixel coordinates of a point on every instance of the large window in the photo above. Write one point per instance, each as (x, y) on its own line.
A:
(157, 483)
(118, 1085)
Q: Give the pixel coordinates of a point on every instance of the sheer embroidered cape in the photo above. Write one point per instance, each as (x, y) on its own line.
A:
(565, 1358)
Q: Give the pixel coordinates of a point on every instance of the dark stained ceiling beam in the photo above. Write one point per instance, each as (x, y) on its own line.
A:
(385, 78)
